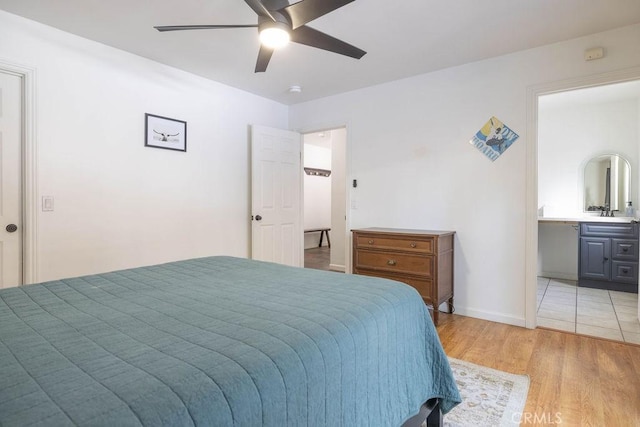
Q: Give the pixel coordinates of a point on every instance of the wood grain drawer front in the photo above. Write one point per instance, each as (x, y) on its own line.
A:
(418, 265)
(622, 271)
(423, 245)
(624, 249)
(423, 286)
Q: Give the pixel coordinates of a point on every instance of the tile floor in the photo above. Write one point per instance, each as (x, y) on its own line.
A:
(607, 314)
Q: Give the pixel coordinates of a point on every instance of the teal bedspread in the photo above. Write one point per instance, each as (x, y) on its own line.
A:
(218, 341)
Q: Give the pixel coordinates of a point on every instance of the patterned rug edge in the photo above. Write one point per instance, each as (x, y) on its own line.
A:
(518, 396)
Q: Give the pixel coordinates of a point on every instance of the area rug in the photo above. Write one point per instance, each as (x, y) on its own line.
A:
(489, 397)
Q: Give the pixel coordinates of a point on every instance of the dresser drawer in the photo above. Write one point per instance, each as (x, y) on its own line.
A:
(624, 249)
(395, 262)
(622, 271)
(371, 241)
(423, 286)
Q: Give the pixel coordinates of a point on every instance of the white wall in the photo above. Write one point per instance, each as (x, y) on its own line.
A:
(119, 204)
(317, 190)
(410, 151)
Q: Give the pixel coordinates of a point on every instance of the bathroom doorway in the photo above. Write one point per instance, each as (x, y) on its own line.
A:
(574, 125)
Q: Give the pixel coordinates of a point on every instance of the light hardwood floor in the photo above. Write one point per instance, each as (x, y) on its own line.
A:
(575, 379)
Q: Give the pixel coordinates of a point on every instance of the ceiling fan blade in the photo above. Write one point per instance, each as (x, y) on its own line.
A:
(307, 10)
(264, 55)
(314, 38)
(260, 9)
(201, 27)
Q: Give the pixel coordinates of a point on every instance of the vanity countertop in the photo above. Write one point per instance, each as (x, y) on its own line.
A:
(585, 219)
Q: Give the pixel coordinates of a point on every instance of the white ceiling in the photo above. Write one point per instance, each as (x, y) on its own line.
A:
(402, 37)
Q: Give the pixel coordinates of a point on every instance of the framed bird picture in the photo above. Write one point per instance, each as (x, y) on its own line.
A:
(163, 132)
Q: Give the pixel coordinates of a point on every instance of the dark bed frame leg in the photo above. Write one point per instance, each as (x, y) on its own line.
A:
(430, 415)
(434, 419)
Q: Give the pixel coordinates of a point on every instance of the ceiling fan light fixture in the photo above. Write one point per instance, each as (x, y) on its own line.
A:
(274, 35)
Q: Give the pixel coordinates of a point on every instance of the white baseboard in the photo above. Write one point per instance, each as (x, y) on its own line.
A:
(490, 315)
(337, 267)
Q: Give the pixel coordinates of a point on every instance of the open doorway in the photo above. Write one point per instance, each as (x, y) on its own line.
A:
(324, 223)
(574, 127)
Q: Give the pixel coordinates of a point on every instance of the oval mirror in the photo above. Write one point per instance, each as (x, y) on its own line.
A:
(606, 183)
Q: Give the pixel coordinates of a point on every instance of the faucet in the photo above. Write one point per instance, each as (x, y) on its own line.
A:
(604, 211)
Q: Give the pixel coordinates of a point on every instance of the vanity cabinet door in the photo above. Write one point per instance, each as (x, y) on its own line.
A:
(594, 258)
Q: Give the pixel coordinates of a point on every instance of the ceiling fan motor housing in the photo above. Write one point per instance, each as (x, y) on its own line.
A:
(281, 21)
(275, 4)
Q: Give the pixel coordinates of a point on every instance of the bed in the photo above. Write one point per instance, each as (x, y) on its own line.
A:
(219, 341)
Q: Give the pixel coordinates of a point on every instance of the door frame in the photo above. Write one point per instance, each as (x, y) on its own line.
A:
(531, 211)
(29, 169)
(347, 173)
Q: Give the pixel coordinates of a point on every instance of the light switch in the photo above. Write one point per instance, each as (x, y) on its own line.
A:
(47, 203)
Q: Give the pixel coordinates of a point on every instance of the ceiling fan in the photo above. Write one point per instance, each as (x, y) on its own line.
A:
(280, 22)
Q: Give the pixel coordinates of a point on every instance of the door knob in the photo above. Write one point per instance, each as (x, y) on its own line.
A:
(11, 228)
(258, 217)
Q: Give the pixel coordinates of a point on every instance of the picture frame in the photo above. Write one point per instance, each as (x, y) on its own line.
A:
(164, 132)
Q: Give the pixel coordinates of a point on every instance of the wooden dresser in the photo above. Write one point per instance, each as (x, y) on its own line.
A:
(420, 258)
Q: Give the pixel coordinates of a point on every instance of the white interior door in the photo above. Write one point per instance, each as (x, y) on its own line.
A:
(276, 208)
(10, 180)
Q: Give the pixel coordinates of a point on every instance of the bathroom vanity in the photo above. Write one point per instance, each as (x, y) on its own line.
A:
(608, 256)
(593, 237)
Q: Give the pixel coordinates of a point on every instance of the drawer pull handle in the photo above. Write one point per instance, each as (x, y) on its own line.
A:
(391, 262)
(371, 242)
(625, 249)
(625, 271)
(413, 245)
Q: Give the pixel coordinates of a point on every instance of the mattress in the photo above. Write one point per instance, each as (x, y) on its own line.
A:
(218, 341)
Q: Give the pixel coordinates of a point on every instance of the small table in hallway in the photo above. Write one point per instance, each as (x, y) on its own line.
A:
(322, 231)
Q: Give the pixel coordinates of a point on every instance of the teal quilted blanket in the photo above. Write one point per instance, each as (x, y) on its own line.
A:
(218, 341)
